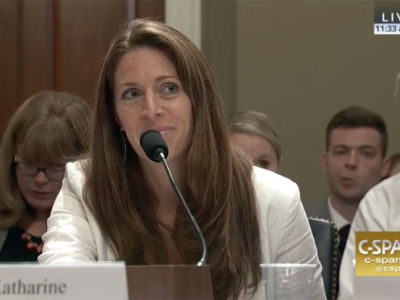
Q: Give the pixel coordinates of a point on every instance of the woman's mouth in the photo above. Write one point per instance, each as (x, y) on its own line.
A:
(41, 195)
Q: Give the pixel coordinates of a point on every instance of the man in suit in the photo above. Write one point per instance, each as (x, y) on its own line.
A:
(354, 161)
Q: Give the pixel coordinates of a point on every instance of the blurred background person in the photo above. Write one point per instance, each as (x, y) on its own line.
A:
(48, 129)
(355, 160)
(119, 204)
(394, 164)
(254, 134)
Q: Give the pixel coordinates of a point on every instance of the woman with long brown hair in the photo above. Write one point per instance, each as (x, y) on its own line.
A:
(119, 204)
(48, 129)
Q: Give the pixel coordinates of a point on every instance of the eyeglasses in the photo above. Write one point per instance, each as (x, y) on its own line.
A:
(53, 173)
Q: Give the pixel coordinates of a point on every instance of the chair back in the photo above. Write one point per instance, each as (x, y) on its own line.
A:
(325, 236)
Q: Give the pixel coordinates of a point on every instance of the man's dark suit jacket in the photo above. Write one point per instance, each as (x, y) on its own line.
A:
(320, 210)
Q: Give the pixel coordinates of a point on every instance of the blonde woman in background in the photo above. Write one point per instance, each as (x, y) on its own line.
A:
(253, 133)
(48, 129)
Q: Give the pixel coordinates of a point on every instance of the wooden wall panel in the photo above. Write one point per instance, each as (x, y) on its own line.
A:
(83, 32)
(59, 44)
(36, 47)
(8, 55)
(154, 9)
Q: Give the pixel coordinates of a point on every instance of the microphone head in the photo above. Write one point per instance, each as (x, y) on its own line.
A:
(153, 144)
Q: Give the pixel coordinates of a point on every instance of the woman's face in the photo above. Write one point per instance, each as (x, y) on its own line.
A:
(149, 96)
(38, 190)
(258, 149)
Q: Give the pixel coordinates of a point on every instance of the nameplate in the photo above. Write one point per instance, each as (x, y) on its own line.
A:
(100, 281)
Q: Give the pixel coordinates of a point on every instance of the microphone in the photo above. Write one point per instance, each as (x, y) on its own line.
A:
(156, 149)
(153, 145)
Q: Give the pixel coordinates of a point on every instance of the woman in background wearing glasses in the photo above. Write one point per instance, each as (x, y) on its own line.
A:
(49, 129)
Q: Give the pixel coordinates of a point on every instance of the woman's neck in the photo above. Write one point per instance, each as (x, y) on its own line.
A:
(167, 200)
(158, 182)
(37, 225)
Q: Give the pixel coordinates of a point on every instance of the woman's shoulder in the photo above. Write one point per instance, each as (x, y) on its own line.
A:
(75, 173)
(382, 200)
(76, 168)
(275, 194)
(388, 188)
(268, 184)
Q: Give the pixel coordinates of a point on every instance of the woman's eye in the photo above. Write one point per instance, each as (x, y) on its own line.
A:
(170, 88)
(131, 94)
(262, 163)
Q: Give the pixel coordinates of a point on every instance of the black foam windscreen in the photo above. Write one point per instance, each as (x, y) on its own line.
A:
(153, 144)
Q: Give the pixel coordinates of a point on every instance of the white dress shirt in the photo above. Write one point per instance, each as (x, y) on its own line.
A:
(336, 217)
(73, 234)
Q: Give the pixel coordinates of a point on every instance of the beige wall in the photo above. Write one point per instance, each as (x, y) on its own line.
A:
(301, 62)
(219, 45)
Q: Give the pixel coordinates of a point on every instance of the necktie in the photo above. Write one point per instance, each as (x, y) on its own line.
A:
(343, 235)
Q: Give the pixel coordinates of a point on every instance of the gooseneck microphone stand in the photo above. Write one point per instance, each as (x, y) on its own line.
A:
(156, 149)
(193, 222)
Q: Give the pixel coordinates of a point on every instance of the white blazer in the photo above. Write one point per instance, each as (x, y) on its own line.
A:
(73, 234)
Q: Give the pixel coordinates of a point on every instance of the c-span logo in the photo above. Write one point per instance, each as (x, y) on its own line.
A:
(377, 253)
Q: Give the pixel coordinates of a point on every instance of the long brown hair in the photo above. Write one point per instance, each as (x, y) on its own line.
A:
(220, 191)
(49, 127)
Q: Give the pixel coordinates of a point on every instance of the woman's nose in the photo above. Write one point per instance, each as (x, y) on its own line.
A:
(41, 177)
(151, 106)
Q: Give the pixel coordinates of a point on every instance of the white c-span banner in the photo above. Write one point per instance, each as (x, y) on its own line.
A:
(100, 281)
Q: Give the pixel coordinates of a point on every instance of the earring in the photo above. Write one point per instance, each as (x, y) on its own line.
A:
(124, 146)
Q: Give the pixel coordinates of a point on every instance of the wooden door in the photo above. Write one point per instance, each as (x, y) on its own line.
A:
(59, 44)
